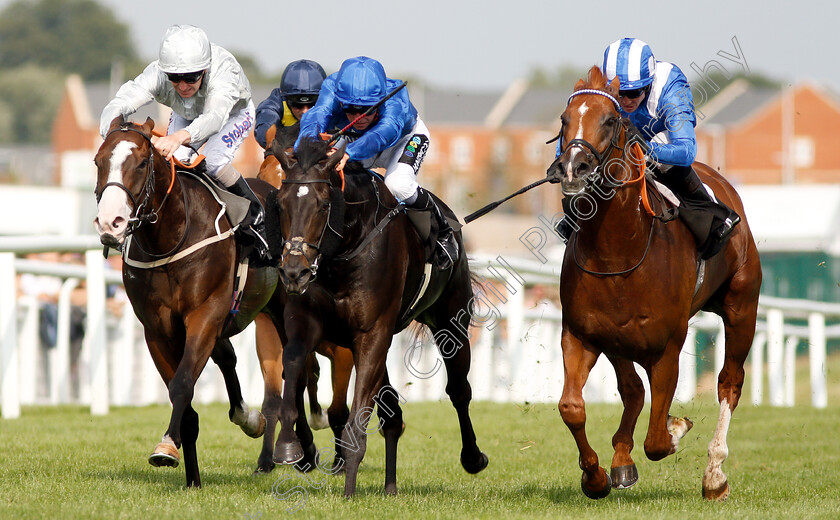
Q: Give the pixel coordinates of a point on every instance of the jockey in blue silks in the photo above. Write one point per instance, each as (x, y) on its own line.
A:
(393, 137)
(656, 97)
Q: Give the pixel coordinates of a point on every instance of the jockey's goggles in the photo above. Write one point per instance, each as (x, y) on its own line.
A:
(190, 77)
(355, 109)
(301, 101)
(632, 94)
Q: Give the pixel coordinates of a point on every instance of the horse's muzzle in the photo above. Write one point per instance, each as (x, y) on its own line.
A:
(296, 279)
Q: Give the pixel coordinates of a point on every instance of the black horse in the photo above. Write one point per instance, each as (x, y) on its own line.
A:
(356, 273)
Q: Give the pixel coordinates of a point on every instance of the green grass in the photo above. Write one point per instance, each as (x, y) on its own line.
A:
(60, 462)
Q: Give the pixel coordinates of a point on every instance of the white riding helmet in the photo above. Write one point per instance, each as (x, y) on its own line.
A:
(184, 49)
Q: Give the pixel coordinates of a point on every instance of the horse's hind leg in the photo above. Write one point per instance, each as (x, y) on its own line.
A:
(740, 308)
(270, 354)
(317, 418)
(665, 431)
(623, 471)
(390, 413)
(338, 412)
(250, 421)
(577, 363)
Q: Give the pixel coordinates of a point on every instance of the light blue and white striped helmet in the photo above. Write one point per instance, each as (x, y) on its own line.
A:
(632, 61)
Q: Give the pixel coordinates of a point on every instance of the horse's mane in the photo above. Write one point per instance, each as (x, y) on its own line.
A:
(309, 152)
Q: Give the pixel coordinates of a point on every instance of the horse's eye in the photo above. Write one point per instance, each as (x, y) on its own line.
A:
(325, 206)
(144, 163)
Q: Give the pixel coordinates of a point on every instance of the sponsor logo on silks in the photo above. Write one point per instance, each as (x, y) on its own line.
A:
(408, 154)
(412, 146)
(239, 131)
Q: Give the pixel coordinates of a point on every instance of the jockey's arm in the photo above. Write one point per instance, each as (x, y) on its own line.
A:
(269, 113)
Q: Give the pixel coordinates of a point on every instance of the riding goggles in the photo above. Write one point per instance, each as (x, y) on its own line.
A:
(355, 109)
(190, 77)
(632, 94)
(301, 101)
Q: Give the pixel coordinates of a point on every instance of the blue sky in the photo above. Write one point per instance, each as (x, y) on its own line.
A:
(487, 44)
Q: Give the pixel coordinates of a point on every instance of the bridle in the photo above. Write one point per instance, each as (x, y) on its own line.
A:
(597, 178)
(148, 192)
(298, 246)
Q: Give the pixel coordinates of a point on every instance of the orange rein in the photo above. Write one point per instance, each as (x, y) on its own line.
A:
(639, 156)
(175, 161)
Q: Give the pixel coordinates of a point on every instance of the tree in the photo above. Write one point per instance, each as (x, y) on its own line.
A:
(29, 98)
(73, 36)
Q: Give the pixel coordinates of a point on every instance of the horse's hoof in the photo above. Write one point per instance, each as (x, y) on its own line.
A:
(597, 493)
(719, 495)
(391, 490)
(474, 466)
(319, 421)
(288, 452)
(165, 454)
(254, 431)
(624, 476)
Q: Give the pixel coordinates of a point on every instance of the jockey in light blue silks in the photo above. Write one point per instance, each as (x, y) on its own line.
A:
(392, 137)
(656, 98)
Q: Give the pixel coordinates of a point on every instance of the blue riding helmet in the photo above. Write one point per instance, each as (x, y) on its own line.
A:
(360, 81)
(302, 80)
(632, 61)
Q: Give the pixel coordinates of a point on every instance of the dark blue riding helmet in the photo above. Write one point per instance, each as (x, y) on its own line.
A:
(360, 81)
(301, 81)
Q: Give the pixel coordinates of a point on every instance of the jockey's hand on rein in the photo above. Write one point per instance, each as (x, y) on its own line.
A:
(342, 162)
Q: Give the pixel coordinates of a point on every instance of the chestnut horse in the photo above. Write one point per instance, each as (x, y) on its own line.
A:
(270, 353)
(629, 285)
(372, 281)
(179, 273)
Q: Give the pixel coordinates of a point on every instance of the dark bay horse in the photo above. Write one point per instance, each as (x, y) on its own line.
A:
(270, 353)
(629, 285)
(179, 273)
(372, 280)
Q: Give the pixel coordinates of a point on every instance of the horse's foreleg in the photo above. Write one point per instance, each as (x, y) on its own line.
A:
(338, 413)
(370, 354)
(623, 472)
(270, 354)
(578, 362)
(250, 421)
(189, 435)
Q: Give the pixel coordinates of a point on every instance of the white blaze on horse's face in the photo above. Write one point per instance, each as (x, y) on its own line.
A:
(302, 191)
(113, 210)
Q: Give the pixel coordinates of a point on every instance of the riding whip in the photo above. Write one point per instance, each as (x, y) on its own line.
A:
(490, 207)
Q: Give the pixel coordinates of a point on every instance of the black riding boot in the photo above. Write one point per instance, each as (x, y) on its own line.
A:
(566, 225)
(446, 249)
(254, 222)
(691, 189)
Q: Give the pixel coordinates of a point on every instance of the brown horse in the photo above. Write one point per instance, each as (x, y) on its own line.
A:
(179, 273)
(270, 353)
(629, 285)
(372, 281)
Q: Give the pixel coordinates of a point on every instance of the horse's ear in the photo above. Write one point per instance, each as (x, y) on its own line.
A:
(286, 159)
(613, 87)
(270, 133)
(335, 157)
(148, 126)
(116, 122)
(580, 85)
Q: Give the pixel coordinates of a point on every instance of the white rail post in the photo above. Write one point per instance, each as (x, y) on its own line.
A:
(687, 382)
(816, 352)
(60, 355)
(790, 369)
(96, 338)
(757, 364)
(10, 399)
(775, 352)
